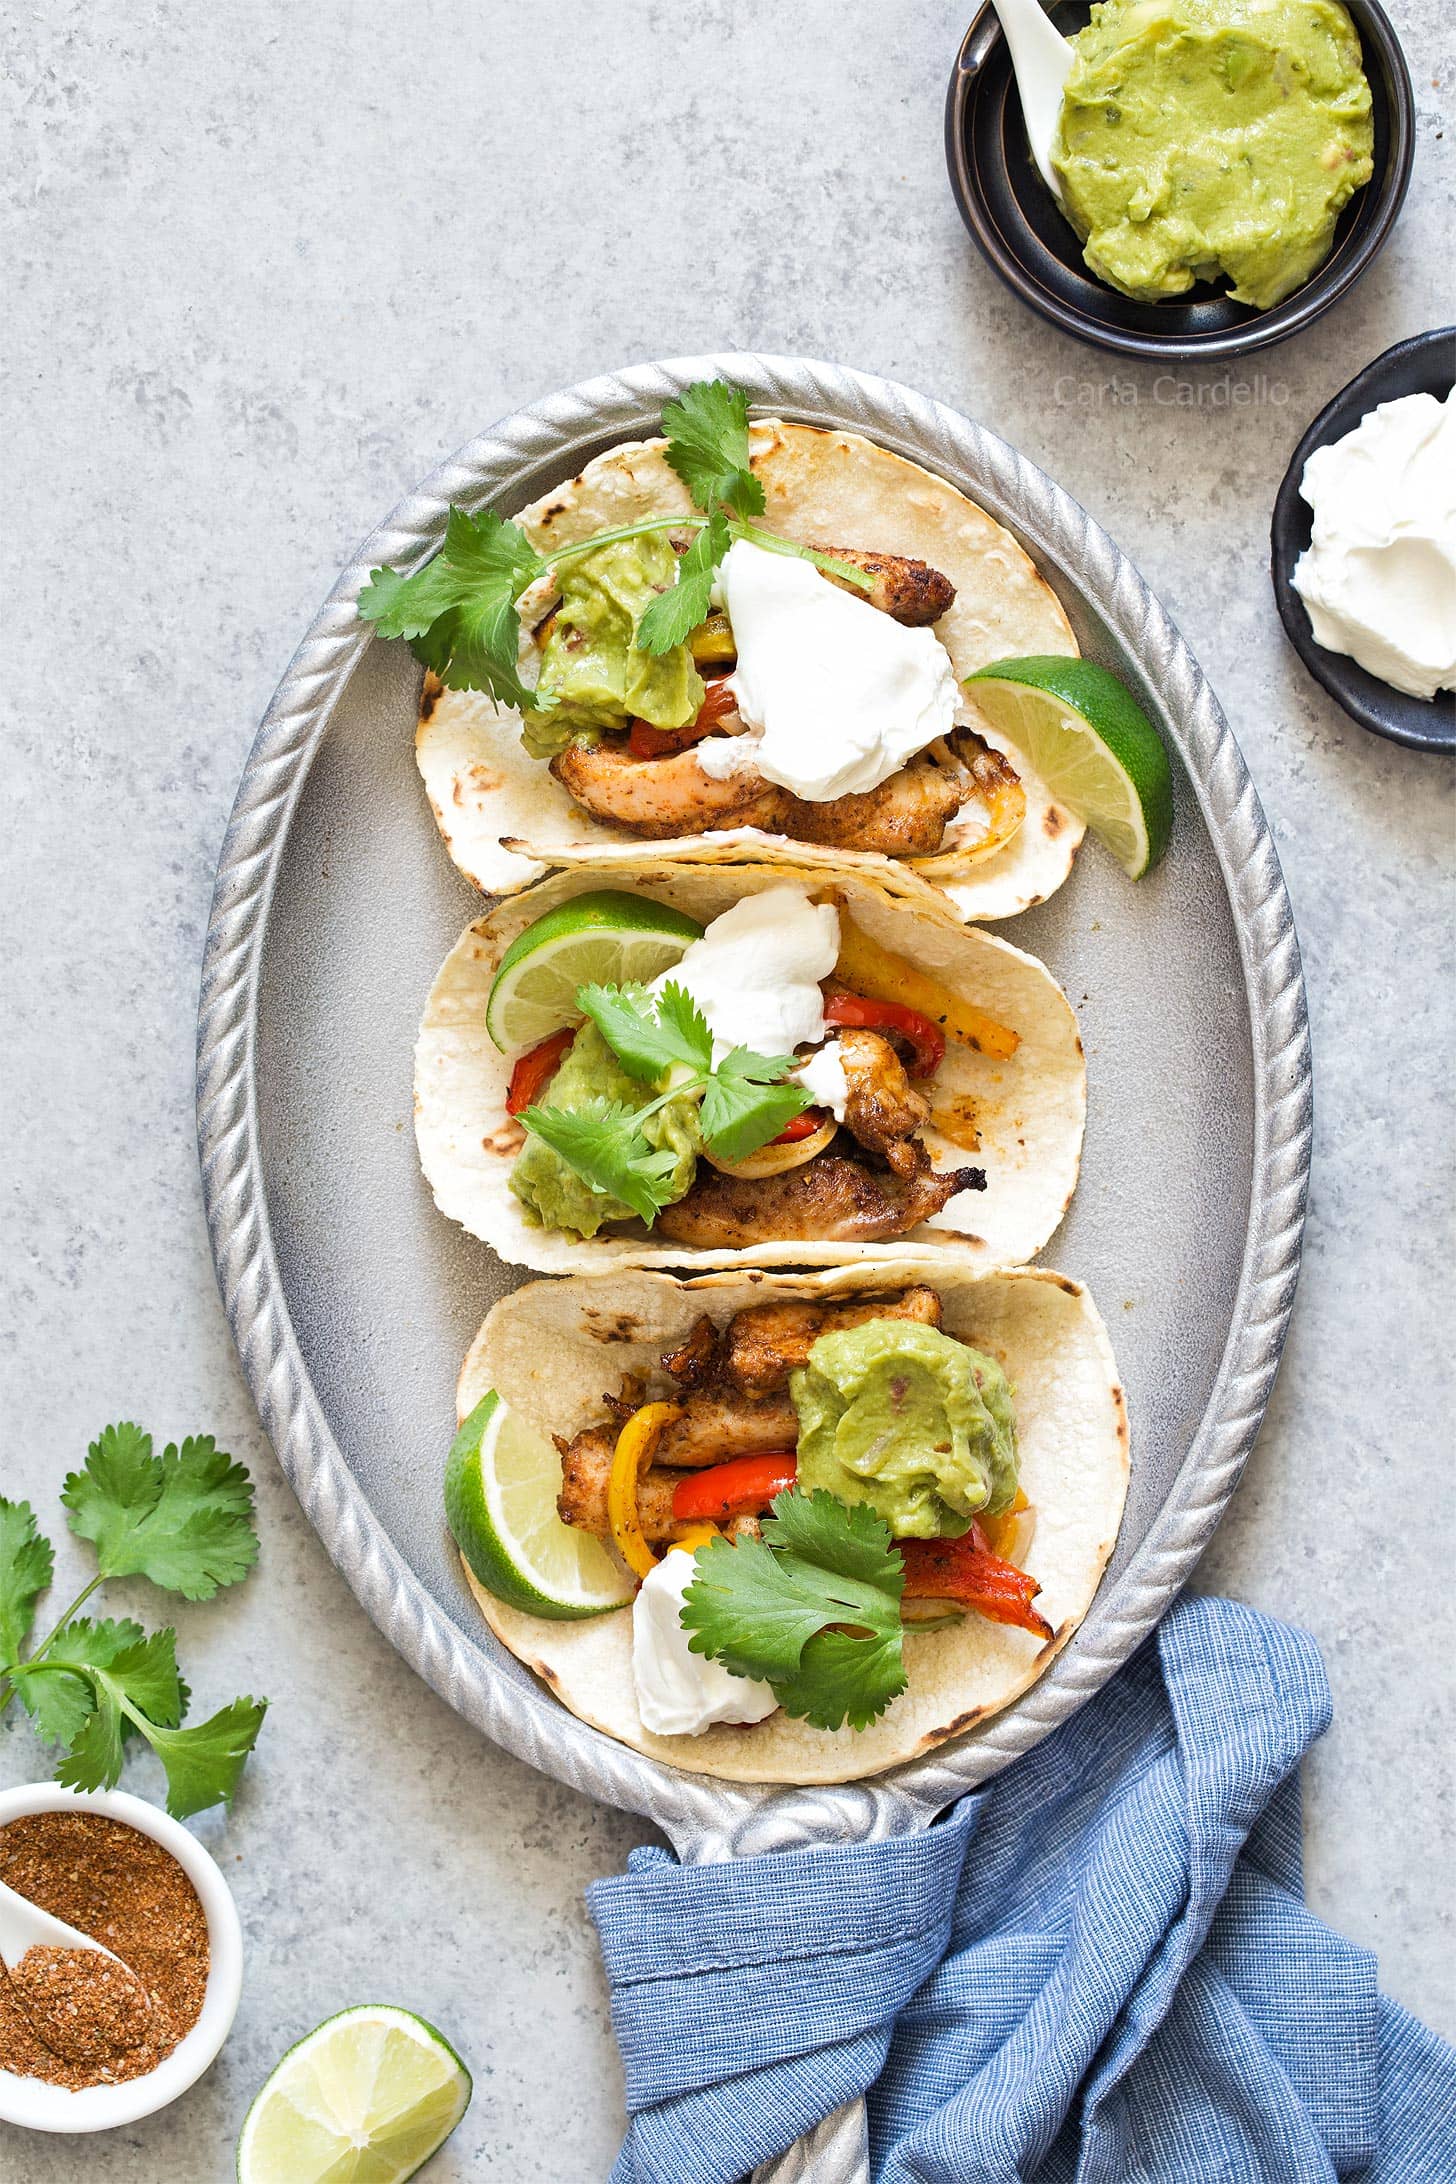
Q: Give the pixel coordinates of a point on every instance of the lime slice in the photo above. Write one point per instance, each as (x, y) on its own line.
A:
(501, 1483)
(602, 938)
(367, 2096)
(1093, 746)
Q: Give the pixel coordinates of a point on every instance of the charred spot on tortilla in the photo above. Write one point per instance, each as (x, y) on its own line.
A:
(1051, 819)
(430, 694)
(955, 1728)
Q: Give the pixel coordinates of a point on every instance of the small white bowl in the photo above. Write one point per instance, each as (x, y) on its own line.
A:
(40, 2107)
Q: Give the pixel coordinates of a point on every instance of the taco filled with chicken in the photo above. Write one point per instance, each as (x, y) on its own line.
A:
(744, 1065)
(790, 1527)
(738, 638)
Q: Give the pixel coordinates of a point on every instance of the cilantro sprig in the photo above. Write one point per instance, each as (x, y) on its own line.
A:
(182, 1519)
(812, 1608)
(665, 1041)
(459, 613)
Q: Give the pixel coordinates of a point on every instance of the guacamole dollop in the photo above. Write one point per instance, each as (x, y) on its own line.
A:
(909, 1420)
(1208, 137)
(553, 1194)
(592, 676)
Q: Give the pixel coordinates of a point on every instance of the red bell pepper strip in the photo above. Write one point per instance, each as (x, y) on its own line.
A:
(966, 1570)
(645, 741)
(534, 1071)
(800, 1127)
(927, 1039)
(745, 1486)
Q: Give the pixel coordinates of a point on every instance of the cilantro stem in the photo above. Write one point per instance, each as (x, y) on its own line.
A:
(613, 538)
(51, 1635)
(771, 543)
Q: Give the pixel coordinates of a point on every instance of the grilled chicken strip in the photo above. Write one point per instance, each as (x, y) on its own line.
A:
(828, 1201)
(764, 1344)
(905, 816)
(586, 1466)
(883, 1109)
(910, 591)
(658, 798)
(661, 797)
(719, 1423)
(694, 1359)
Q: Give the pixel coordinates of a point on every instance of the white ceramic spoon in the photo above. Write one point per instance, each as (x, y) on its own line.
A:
(1041, 58)
(23, 1925)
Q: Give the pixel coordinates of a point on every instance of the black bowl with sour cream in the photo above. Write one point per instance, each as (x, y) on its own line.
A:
(1424, 365)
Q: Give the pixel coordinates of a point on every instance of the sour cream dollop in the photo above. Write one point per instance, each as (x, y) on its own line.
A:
(680, 1693)
(1379, 575)
(836, 695)
(823, 1078)
(755, 973)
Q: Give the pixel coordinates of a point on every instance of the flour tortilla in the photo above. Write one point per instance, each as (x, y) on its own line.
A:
(506, 821)
(551, 1348)
(1028, 1111)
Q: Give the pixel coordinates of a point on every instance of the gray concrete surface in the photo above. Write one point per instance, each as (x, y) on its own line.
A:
(265, 266)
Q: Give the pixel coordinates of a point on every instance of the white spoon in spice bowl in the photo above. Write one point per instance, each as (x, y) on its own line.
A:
(1041, 60)
(24, 1927)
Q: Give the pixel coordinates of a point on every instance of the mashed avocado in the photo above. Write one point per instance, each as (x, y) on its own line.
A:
(1201, 137)
(910, 1421)
(592, 676)
(554, 1194)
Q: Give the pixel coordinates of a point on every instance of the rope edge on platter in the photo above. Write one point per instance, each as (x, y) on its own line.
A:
(721, 1818)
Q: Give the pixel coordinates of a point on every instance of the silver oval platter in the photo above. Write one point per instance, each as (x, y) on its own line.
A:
(352, 1301)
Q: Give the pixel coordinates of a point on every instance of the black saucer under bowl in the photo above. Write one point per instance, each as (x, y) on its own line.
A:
(1424, 365)
(1023, 232)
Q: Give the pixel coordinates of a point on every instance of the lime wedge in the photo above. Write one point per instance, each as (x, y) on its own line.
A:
(1092, 744)
(501, 1483)
(368, 2095)
(603, 938)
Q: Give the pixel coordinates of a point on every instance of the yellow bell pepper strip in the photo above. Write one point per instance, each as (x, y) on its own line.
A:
(691, 1541)
(636, 1445)
(871, 969)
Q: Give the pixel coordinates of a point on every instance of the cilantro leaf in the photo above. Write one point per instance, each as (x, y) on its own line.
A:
(184, 1519)
(204, 1762)
(673, 615)
(813, 1607)
(56, 1690)
(409, 606)
(846, 1677)
(707, 445)
(745, 1104)
(138, 1687)
(603, 1142)
(459, 610)
(649, 1034)
(26, 1567)
(94, 1760)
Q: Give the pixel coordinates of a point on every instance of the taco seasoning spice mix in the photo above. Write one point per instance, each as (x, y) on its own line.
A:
(70, 2016)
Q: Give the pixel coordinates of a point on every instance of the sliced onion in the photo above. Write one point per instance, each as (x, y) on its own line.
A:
(776, 1159)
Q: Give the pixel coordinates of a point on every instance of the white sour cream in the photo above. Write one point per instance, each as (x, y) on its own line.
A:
(836, 695)
(755, 973)
(823, 1078)
(1379, 576)
(680, 1693)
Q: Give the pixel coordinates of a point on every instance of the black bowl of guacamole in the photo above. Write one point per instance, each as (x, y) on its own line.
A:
(1022, 230)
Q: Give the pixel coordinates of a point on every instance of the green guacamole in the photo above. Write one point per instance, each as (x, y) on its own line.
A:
(1208, 137)
(553, 1194)
(910, 1421)
(592, 676)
